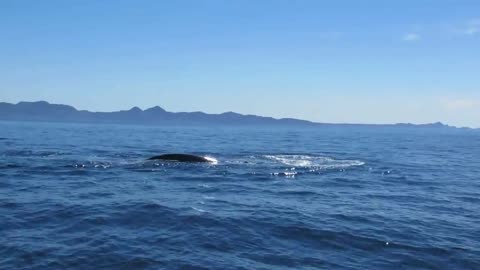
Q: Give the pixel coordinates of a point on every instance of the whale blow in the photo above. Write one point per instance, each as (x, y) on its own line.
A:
(182, 158)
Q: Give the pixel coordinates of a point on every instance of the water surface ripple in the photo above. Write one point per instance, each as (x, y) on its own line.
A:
(84, 196)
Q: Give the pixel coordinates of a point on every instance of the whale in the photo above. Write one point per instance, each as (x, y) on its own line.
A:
(182, 158)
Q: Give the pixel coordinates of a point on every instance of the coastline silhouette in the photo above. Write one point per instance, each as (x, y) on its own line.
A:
(47, 112)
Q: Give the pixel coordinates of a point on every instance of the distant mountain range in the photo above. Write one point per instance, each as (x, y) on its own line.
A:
(44, 111)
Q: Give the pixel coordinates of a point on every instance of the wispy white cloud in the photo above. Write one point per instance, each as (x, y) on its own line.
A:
(473, 27)
(469, 28)
(471, 31)
(411, 37)
(463, 28)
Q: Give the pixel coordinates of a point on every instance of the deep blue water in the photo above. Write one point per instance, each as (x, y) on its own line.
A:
(83, 197)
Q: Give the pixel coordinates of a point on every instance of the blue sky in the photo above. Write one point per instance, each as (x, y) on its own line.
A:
(328, 61)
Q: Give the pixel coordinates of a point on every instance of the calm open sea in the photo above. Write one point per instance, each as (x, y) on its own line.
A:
(78, 196)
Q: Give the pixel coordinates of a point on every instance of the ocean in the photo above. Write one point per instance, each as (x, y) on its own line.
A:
(83, 196)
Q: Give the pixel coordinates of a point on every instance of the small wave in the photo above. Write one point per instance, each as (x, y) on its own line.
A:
(199, 210)
(300, 192)
(31, 153)
(10, 166)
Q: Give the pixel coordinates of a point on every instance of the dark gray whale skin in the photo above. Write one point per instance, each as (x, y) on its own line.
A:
(180, 158)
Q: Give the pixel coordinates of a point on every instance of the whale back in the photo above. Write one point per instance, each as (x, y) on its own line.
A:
(180, 158)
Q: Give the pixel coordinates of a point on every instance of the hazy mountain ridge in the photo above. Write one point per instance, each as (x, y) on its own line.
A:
(44, 111)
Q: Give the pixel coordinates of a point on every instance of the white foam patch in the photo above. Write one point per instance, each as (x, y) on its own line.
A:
(317, 162)
(292, 160)
(286, 174)
(212, 160)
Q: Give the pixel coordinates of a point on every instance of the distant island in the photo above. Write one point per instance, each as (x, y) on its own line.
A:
(46, 112)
